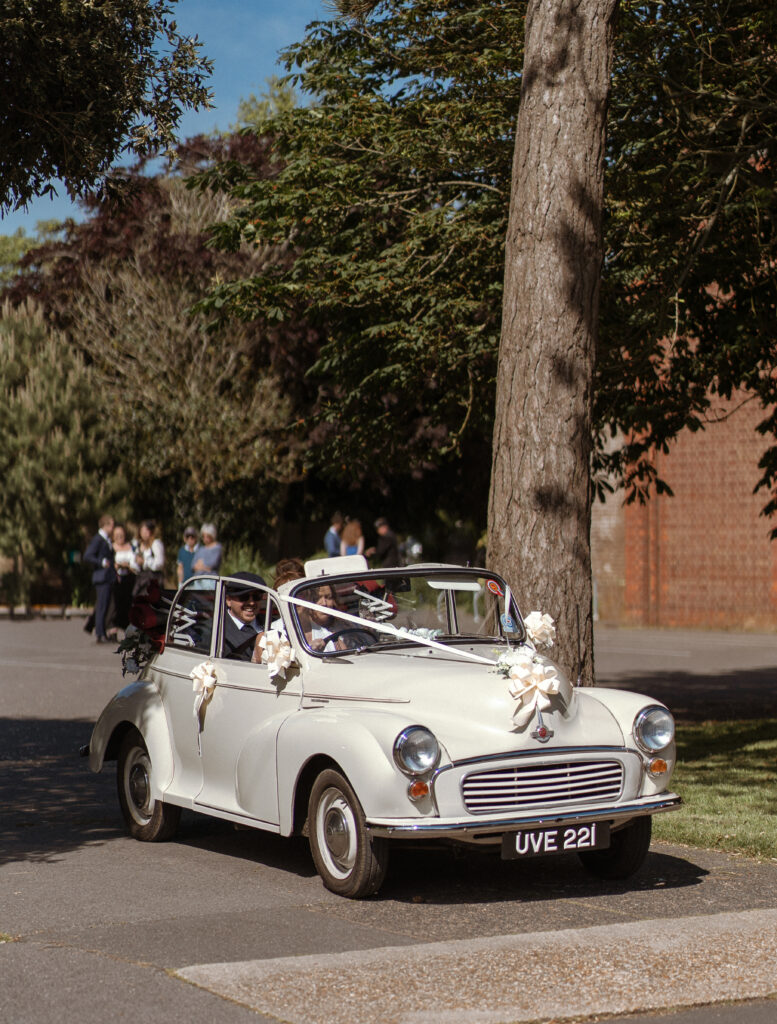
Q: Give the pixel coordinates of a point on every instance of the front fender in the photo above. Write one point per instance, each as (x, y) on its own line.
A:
(362, 747)
(138, 705)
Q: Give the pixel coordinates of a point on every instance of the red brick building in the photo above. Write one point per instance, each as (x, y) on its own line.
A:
(702, 558)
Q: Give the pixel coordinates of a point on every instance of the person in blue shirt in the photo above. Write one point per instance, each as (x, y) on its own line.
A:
(186, 554)
(332, 536)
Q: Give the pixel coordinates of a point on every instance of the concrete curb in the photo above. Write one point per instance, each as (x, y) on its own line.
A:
(622, 968)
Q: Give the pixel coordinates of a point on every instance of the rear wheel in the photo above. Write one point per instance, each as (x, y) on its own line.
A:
(350, 861)
(146, 818)
(626, 853)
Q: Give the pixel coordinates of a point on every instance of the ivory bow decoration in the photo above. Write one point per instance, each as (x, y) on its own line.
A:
(277, 653)
(205, 678)
(541, 629)
(534, 683)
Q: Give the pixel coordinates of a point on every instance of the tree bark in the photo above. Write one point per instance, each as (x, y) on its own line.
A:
(540, 499)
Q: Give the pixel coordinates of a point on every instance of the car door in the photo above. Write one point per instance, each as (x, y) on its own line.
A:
(239, 727)
(188, 642)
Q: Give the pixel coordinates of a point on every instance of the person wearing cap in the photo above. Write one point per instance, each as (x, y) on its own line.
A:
(240, 625)
(386, 551)
(208, 557)
(186, 554)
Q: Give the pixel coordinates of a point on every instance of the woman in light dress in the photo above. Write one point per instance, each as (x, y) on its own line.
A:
(149, 557)
(121, 594)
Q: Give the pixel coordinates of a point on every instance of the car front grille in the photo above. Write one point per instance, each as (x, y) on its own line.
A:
(568, 782)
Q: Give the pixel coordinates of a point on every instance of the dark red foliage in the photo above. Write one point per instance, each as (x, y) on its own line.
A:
(133, 216)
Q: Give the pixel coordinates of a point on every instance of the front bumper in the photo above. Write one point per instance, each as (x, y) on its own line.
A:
(480, 829)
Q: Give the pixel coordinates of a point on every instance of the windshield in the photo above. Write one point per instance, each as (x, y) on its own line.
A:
(389, 609)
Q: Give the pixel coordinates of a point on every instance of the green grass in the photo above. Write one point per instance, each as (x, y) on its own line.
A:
(727, 777)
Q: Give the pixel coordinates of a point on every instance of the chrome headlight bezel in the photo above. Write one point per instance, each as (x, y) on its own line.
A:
(403, 751)
(647, 718)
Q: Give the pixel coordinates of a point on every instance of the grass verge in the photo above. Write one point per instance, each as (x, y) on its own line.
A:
(727, 776)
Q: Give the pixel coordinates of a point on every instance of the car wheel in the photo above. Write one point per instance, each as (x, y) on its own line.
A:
(146, 818)
(350, 861)
(626, 853)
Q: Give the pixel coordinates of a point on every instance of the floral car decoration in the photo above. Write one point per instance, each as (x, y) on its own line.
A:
(371, 707)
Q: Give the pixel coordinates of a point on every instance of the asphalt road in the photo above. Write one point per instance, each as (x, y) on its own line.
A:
(227, 926)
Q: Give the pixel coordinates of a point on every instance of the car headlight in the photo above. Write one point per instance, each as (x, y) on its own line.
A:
(653, 729)
(416, 750)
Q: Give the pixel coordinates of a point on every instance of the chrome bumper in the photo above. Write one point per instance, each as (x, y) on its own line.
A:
(446, 828)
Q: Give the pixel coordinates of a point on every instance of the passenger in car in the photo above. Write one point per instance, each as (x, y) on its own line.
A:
(286, 570)
(321, 623)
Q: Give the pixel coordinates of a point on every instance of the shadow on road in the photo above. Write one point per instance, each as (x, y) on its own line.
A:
(448, 875)
(50, 802)
(733, 696)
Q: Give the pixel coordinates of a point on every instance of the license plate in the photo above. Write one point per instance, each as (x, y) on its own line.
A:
(542, 842)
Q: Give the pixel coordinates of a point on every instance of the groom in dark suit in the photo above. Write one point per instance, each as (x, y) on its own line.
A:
(99, 554)
(240, 625)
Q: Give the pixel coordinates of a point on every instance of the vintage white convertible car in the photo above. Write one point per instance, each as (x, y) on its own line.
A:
(375, 706)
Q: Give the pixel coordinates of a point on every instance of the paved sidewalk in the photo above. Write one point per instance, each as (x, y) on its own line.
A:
(615, 968)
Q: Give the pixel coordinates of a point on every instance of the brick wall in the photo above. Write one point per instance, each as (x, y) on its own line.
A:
(703, 557)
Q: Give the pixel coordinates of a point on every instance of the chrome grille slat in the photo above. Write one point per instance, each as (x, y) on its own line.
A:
(505, 789)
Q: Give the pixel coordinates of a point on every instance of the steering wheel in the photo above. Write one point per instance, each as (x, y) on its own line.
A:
(367, 635)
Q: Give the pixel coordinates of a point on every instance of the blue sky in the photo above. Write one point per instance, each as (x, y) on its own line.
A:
(243, 38)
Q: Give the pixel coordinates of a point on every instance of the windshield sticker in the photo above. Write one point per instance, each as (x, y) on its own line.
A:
(493, 587)
(184, 619)
(508, 624)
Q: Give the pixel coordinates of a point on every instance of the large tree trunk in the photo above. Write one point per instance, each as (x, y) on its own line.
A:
(540, 500)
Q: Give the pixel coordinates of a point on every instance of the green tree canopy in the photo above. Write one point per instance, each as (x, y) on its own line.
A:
(55, 460)
(392, 190)
(85, 83)
(201, 419)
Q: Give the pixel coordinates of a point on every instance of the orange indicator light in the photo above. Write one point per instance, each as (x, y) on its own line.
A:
(657, 766)
(417, 790)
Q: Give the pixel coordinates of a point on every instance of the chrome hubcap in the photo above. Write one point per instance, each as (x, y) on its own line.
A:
(137, 786)
(336, 832)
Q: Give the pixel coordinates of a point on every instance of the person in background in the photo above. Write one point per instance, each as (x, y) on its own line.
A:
(386, 551)
(332, 535)
(149, 557)
(352, 541)
(99, 554)
(121, 594)
(209, 554)
(186, 555)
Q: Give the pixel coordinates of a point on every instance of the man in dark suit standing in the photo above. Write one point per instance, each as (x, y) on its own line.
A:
(386, 551)
(99, 554)
(240, 625)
